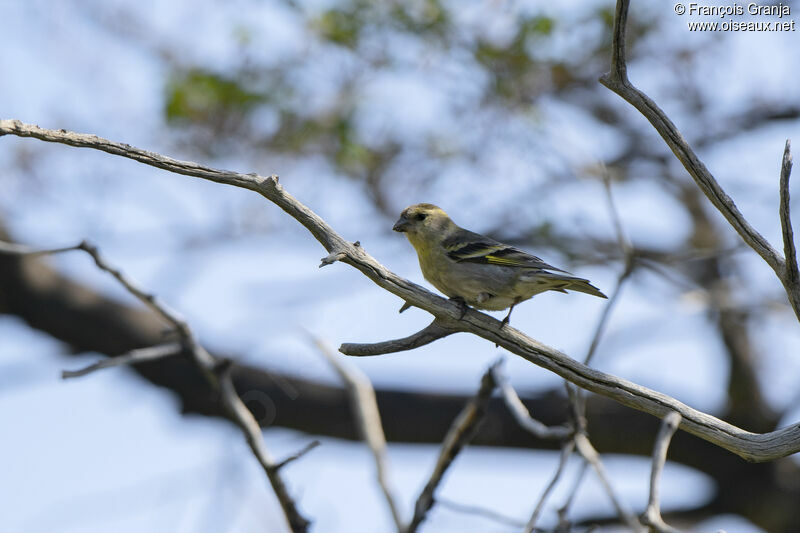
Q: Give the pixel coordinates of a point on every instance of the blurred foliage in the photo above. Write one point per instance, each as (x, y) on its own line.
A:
(266, 103)
(492, 68)
(199, 96)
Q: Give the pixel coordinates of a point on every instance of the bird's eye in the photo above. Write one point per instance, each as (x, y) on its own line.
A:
(420, 216)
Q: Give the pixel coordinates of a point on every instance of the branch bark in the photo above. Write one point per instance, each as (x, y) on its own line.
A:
(434, 331)
(218, 376)
(652, 515)
(789, 250)
(617, 80)
(751, 446)
(131, 358)
(368, 419)
(460, 433)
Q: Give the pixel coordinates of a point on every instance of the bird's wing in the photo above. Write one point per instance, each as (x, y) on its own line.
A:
(473, 247)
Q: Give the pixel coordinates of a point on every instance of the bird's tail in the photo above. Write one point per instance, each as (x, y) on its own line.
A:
(583, 285)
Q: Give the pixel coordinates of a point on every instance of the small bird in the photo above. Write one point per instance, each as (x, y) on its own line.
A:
(474, 269)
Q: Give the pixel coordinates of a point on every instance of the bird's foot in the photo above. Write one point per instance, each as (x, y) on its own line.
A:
(507, 319)
(505, 322)
(462, 304)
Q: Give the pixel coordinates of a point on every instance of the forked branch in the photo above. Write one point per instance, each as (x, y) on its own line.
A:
(216, 372)
(751, 446)
(617, 80)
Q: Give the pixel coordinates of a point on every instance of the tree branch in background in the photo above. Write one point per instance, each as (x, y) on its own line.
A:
(133, 357)
(521, 413)
(591, 457)
(217, 375)
(463, 429)
(789, 250)
(566, 451)
(368, 419)
(652, 515)
(297, 455)
(588, 452)
(617, 80)
(751, 446)
(629, 258)
(485, 512)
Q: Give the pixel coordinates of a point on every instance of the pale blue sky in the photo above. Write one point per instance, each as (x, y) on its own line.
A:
(109, 451)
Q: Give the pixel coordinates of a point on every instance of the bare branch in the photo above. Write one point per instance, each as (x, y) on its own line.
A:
(652, 515)
(587, 451)
(520, 412)
(485, 512)
(218, 376)
(131, 358)
(463, 429)
(297, 455)
(617, 80)
(625, 245)
(434, 331)
(789, 250)
(751, 446)
(368, 418)
(252, 432)
(563, 522)
(607, 309)
(12, 248)
(566, 451)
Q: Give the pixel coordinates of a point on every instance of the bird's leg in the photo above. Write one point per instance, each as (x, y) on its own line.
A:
(507, 319)
(462, 304)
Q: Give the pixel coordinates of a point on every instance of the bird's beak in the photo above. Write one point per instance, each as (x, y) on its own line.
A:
(401, 225)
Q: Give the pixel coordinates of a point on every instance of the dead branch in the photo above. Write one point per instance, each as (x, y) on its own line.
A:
(652, 515)
(368, 418)
(218, 375)
(520, 412)
(566, 451)
(789, 250)
(133, 357)
(587, 451)
(460, 433)
(434, 331)
(617, 80)
(751, 446)
(298, 454)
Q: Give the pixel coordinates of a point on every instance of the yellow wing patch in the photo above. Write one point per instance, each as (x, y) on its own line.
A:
(507, 261)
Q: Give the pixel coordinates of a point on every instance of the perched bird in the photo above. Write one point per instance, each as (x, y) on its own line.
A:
(474, 269)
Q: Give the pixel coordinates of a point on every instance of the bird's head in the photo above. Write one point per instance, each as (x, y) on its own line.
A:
(423, 221)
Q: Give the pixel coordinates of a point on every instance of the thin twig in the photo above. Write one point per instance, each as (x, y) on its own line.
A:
(133, 357)
(585, 448)
(754, 447)
(566, 451)
(652, 515)
(628, 256)
(587, 451)
(13, 248)
(624, 242)
(368, 419)
(485, 512)
(789, 250)
(218, 377)
(521, 413)
(563, 522)
(462, 430)
(297, 455)
(605, 315)
(617, 80)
